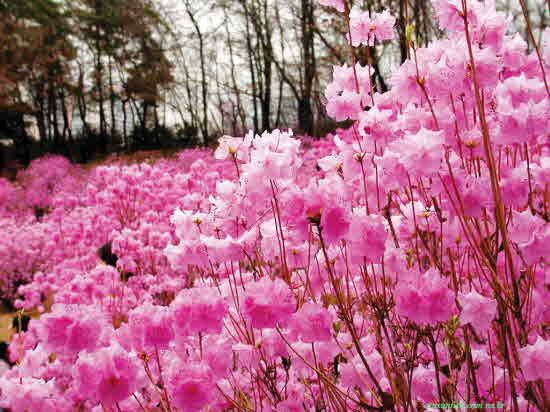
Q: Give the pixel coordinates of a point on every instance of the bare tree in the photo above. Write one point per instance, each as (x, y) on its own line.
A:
(204, 82)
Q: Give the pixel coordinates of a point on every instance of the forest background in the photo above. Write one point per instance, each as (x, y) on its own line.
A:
(85, 78)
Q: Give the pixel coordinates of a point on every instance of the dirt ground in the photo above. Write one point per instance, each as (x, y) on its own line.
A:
(7, 316)
(6, 319)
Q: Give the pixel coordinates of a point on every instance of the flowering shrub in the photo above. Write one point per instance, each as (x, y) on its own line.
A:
(43, 178)
(400, 263)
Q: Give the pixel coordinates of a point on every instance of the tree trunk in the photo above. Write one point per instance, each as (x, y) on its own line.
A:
(305, 116)
(402, 24)
(251, 66)
(124, 119)
(240, 111)
(144, 122)
(112, 99)
(81, 102)
(305, 113)
(267, 49)
(53, 100)
(40, 121)
(99, 73)
(67, 129)
(204, 83)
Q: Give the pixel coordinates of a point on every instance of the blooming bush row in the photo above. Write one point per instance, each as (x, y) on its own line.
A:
(397, 264)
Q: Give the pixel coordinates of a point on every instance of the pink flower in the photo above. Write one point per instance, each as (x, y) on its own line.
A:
(421, 152)
(150, 327)
(199, 310)
(312, 323)
(272, 344)
(352, 79)
(354, 372)
(233, 146)
(291, 405)
(346, 106)
(491, 27)
(198, 242)
(535, 360)
(337, 4)
(273, 164)
(404, 81)
(376, 123)
(488, 67)
(4, 367)
(70, 329)
(425, 300)
(365, 29)
(31, 394)
(109, 375)
(335, 224)
(215, 352)
(546, 44)
(384, 23)
(424, 383)
(449, 13)
(487, 373)
(395, 174)
(474, 198)
(268, 302)
(186, 223)
(191, 385)
(522, 123)
(247, 355)
(532, 236)
(367, 236)
(515, 187)
(477, 310)
(344, 78)
(221, 250)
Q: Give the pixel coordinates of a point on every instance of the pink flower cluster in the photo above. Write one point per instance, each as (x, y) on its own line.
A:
(366, 30)
(398, 263)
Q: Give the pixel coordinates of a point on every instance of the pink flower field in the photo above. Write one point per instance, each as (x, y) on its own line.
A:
(394, 265)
